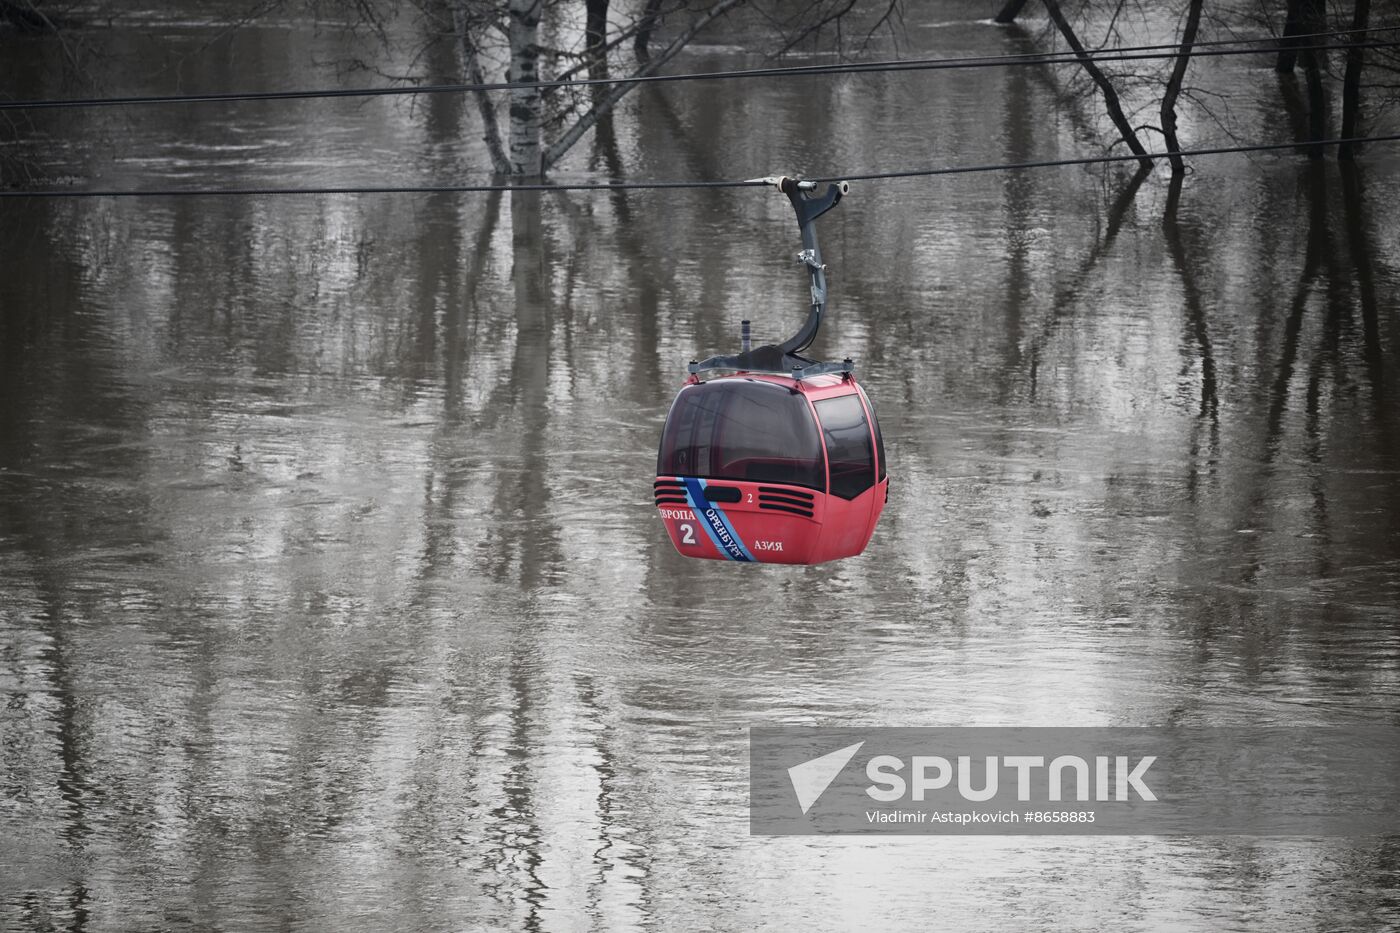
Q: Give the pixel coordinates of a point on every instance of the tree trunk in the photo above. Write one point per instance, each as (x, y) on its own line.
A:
(1317, 102)
(1105, 86)
(1351, 81)
(1183, 58)
(1307, 17)
(1292, 25)
(595, 30)
(1295, 109)
(1304, 17)
(1010, 11)
(641, 45)
(525, 102)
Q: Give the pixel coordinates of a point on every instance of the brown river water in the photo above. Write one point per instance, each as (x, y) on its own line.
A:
(332, 596)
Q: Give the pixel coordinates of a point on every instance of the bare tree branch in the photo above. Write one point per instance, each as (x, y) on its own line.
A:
(605, 105)
(1105, 86)
(471, 64)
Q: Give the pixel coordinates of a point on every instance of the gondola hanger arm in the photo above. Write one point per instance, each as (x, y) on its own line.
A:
(808, 203)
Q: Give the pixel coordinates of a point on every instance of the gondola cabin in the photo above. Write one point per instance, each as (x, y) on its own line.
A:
(765, 467)
(780, 461)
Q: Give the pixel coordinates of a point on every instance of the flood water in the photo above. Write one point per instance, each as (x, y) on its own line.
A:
(332, 596)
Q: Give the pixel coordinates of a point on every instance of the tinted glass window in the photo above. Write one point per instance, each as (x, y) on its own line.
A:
(848, 450)
(879, 440)
(735, 429)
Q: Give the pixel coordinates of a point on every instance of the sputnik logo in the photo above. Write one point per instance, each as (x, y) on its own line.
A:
(811, 778)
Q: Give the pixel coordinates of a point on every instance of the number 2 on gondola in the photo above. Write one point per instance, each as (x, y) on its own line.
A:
(687, 533)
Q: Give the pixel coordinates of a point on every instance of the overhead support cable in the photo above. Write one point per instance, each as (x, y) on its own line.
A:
(668, 185)
(1164, 51)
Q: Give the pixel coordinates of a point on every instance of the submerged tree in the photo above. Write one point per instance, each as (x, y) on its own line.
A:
(528, 153)
(542, 123)
(1101, 81)
(530, 45)
(1304, 29)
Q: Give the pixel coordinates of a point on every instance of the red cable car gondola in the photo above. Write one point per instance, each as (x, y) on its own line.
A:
(781, 461)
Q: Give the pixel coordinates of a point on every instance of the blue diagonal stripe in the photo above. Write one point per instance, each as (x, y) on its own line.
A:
(715, 522)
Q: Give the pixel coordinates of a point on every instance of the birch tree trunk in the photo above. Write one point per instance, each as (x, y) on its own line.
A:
(526, 103)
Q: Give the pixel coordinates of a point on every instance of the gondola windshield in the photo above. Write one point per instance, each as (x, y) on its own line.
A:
(742, 431)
